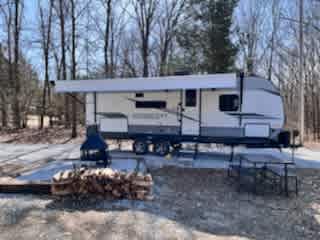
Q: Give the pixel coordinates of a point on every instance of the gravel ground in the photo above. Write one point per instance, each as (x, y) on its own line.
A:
(189, 204)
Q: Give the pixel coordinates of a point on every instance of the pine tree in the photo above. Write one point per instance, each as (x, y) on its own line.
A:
(208, 31)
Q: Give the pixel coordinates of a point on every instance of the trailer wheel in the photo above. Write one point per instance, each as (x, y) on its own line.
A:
(177, 146)
(140, 146)
(161, 148)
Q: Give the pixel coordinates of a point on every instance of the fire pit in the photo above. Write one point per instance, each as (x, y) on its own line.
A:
(95, 149)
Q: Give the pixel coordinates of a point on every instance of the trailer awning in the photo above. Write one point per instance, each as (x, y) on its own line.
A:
(212, 81)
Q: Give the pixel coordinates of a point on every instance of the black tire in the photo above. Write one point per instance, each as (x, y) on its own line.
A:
(177, 146)
(161, 148)
(140, 147)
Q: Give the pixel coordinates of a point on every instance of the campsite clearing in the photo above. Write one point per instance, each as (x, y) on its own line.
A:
(191, 202)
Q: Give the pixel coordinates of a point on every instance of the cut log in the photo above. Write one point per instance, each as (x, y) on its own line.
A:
(140, 183)
(66, 175)
(103, 182)
(12, 185)
(97, 187)
(148, 178)
(57, 177)
(116, 193)
(61, 191)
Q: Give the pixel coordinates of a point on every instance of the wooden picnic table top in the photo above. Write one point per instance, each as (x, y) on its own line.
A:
(264, 159)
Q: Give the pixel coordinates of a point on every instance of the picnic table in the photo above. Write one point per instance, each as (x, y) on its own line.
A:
(267, 162)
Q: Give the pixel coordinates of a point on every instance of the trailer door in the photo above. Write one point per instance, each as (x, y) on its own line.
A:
(190, 112)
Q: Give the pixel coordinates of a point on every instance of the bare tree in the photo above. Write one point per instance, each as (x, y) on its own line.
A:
(168, 21)
(73, 65)
(249, 30)
(275, 26)
(22, 82)
(6, 79)
(105, 30)
(109, 25)
(77, 9)
(3, 90)
(12, 13)
(286, 55)
(129, 57)
(45, 32)
(18, 11)
(107, 5)
(61, 10)
(31, 92)
(145, 13)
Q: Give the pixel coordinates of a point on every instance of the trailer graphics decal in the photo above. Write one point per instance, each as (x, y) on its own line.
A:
(166, 110)
(149, 116)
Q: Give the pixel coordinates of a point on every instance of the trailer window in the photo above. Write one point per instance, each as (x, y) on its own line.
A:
(191, 98)
(228, 103)
(151, 104)
(139, 95)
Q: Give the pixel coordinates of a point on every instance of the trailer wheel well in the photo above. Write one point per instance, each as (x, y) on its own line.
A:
(161, 148)
(140, 146)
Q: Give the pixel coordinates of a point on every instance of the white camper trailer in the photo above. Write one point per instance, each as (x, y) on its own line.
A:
(219, 108)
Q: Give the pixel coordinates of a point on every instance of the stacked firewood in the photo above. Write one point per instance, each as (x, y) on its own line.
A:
(105, 182)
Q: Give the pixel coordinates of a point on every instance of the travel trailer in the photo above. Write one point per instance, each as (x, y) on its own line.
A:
(166, 111)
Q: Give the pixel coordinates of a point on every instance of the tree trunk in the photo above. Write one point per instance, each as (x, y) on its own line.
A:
(4, 118)
(145, 53)
(43, 105)
(318, 115)
(63, 59)
(16, 104)
(107, 39)
(112, 53)
(163, 58)
(74, 69)
(10, 63)
(46, 41)
(145, 16)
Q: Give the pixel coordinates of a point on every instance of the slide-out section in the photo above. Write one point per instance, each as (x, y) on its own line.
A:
(216, 120)
(141, 112)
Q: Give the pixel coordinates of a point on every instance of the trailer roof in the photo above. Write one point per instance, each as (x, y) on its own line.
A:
(217, 81)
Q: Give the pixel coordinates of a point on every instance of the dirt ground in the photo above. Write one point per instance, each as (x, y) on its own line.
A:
(312, 145)
(188, 204)
(54, 135)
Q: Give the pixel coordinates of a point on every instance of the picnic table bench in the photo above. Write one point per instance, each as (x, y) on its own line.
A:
(285, 176)
(252, 164)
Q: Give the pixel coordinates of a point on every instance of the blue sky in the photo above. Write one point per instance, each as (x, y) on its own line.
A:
(31, 50)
